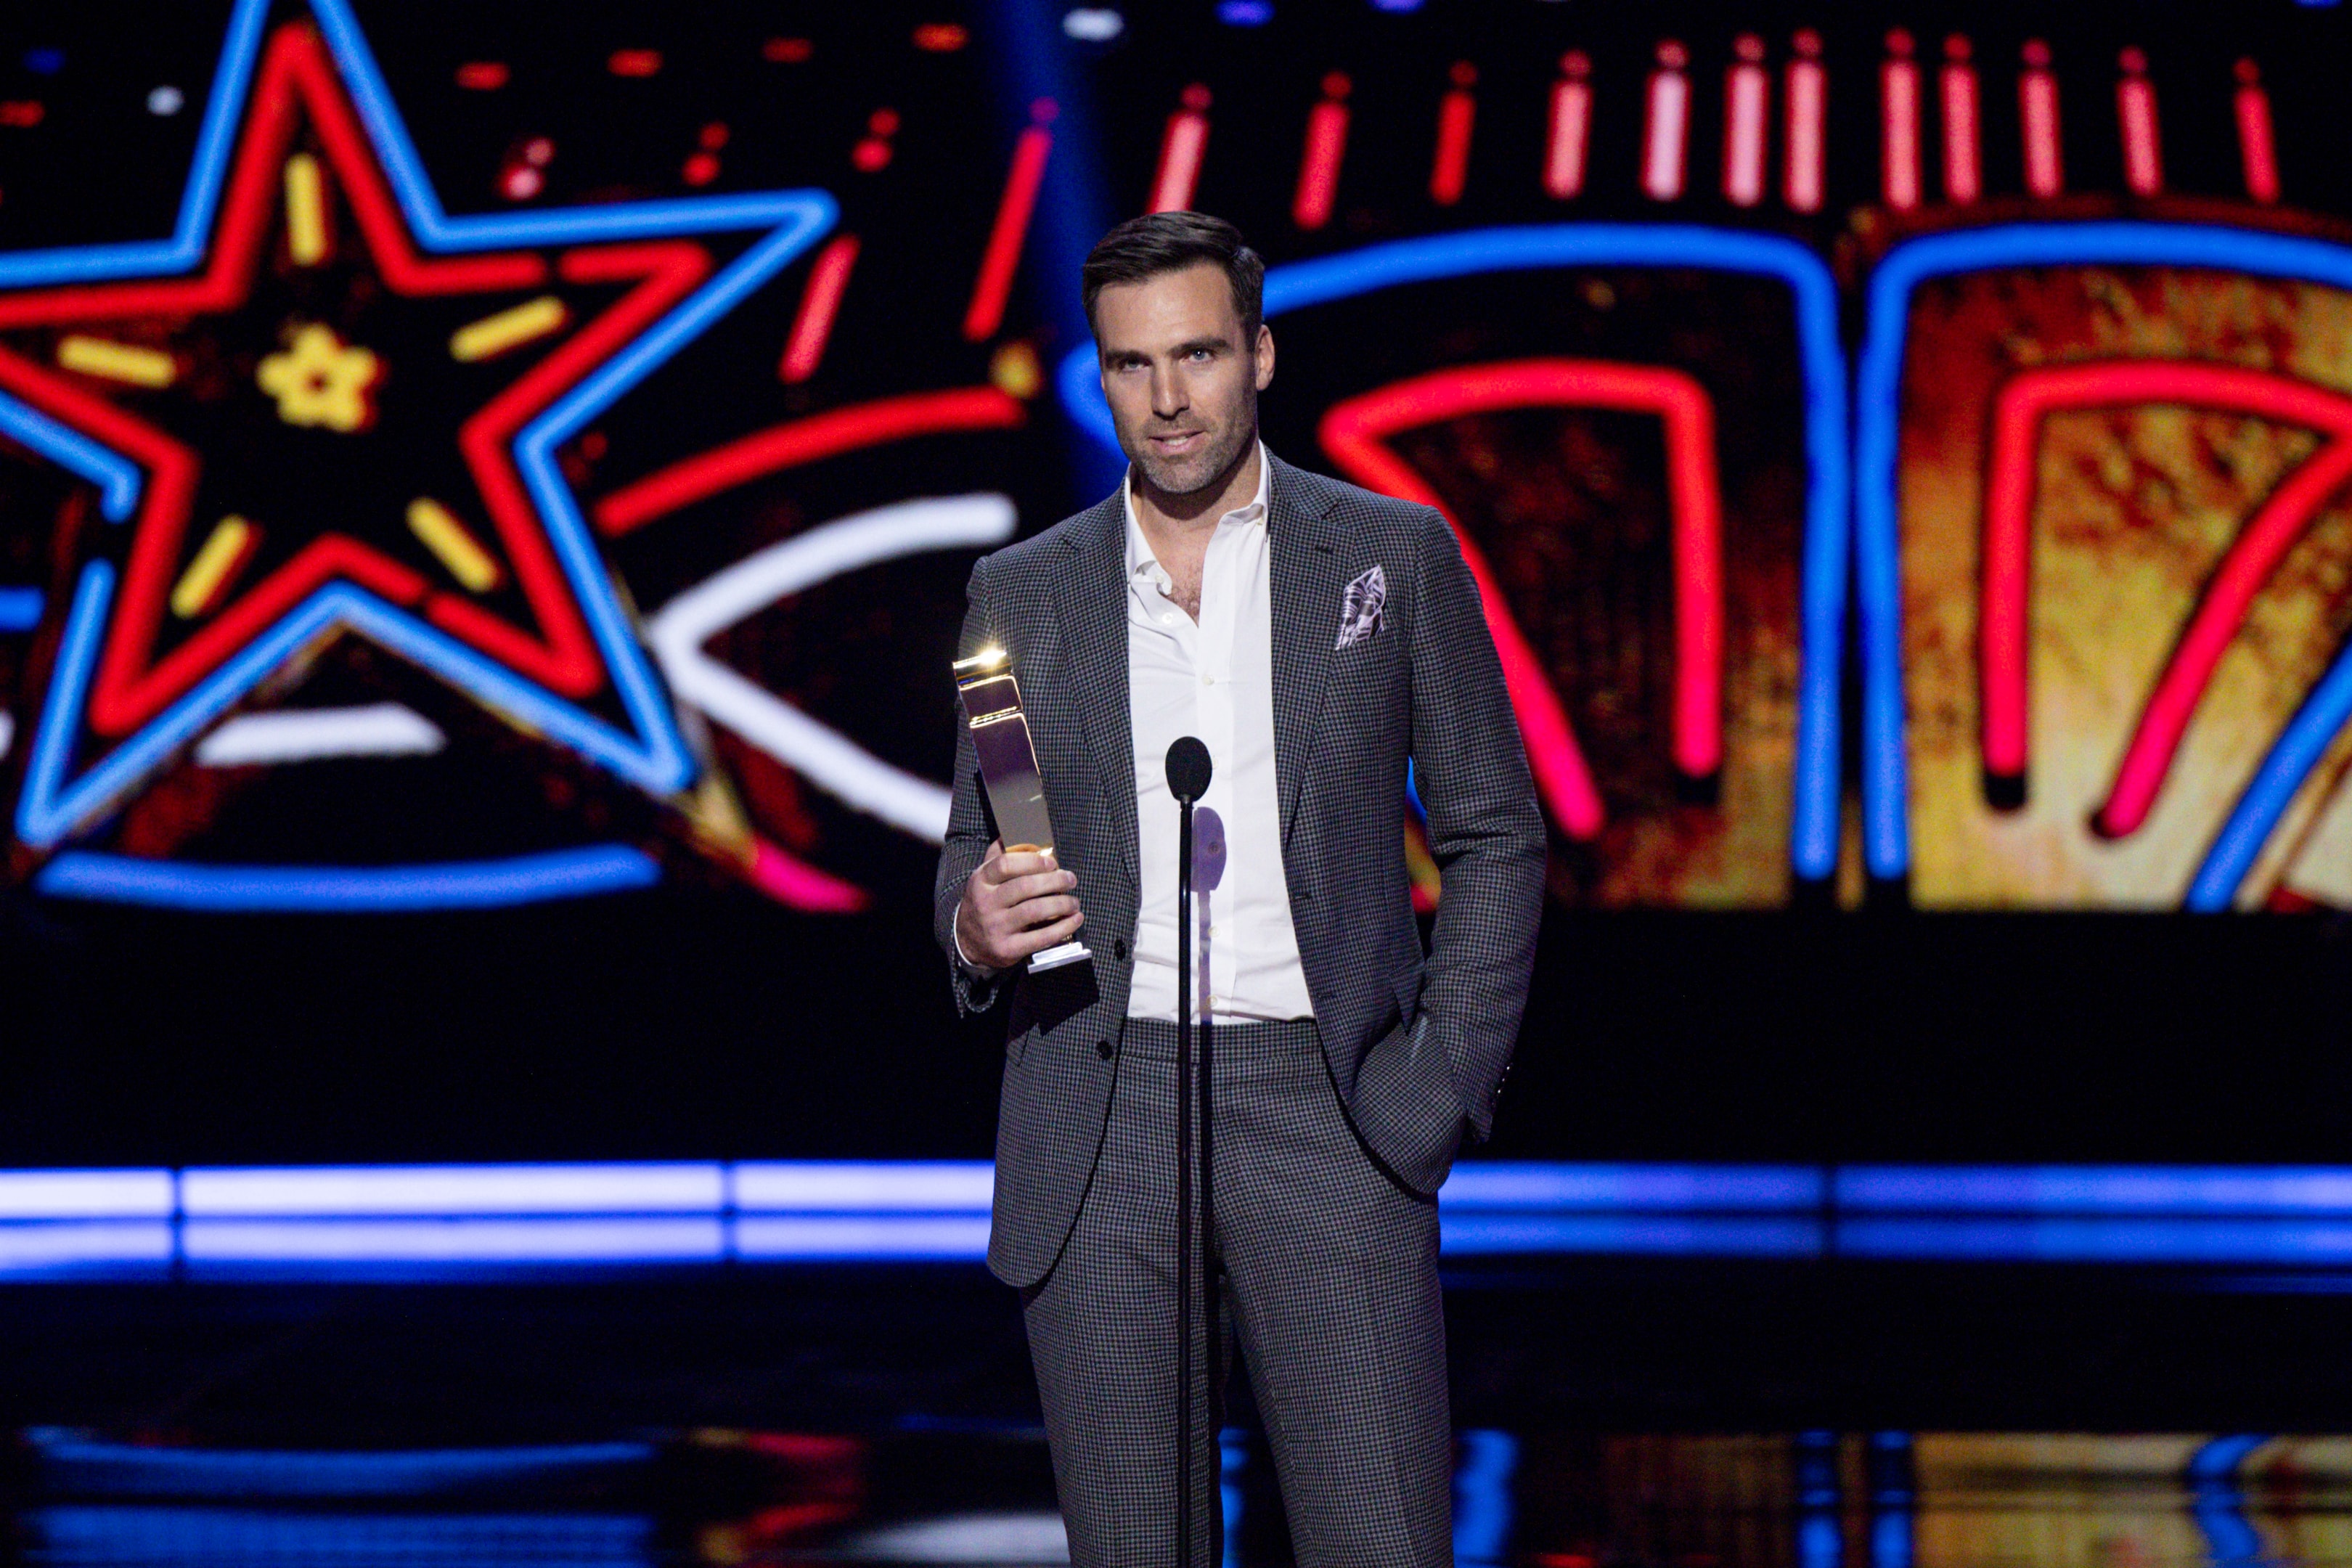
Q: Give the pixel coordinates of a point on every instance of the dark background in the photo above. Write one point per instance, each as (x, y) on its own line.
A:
(699, 1020)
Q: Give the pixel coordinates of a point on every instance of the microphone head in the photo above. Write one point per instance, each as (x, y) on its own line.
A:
(1188, 769)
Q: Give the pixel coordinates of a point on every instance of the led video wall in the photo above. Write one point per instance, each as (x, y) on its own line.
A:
(461, 459)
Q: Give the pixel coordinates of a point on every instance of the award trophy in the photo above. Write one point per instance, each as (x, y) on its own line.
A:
(1008, 762)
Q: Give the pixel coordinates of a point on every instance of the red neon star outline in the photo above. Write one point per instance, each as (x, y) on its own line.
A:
(296, 74)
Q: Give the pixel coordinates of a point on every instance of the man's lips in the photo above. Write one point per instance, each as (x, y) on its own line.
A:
(1180, 441)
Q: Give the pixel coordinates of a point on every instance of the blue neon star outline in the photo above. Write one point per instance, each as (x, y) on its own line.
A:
(656, 757)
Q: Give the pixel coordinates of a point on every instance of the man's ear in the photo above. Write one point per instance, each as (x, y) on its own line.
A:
(1265, 356)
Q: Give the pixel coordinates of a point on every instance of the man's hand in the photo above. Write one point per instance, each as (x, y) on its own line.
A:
(1015, 905)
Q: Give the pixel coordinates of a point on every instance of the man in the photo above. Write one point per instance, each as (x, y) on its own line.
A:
(1316, 636)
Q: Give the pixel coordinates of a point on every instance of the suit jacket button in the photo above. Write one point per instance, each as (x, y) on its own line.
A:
(1102, 1049)
(1118, 948)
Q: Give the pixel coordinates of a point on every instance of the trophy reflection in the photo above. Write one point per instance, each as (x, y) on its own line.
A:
(1008, 765)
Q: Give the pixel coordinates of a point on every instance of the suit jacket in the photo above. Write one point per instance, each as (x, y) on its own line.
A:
(1418, 1047)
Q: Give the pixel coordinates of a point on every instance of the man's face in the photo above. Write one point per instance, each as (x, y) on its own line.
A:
(1182, 386)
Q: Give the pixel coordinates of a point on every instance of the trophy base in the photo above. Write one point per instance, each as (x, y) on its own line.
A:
(1055, 957)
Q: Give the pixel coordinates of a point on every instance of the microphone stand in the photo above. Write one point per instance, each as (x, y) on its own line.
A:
(1188, 770)
(1184, 1182)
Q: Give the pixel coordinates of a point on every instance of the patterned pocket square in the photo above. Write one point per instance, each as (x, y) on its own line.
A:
(1360, 609)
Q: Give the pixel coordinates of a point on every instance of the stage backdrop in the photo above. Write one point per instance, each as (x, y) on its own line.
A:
(486, 493)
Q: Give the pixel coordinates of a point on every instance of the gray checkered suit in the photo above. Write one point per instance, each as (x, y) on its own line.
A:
(1413, 1049)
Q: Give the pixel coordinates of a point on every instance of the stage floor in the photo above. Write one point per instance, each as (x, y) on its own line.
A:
(1687, 1415)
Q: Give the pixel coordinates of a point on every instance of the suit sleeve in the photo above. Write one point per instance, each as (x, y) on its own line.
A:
(1486, 830)
(970, 827)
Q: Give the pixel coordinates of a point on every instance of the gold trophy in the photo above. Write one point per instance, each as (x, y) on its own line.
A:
(1008, 762)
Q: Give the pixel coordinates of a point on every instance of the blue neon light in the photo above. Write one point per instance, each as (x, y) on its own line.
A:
(655, 757)
(2134, 1191)
(453, 1221)
(51, 1249)
(1482, 1498)
(20, 608)
(449, 885)
(1812, 833)
(2101, 1240)
(83, 1466)
(2292, 758)
(2230, 1541)
(1877, 399)
(84, 1534)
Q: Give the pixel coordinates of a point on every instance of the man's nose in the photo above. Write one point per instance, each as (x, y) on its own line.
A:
(1168, 399)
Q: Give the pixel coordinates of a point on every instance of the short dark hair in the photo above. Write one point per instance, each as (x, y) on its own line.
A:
(1159, 243)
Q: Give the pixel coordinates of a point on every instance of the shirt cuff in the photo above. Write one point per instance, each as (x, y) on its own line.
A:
(956, 937)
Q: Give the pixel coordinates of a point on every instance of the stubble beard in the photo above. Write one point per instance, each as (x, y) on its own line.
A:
(1202, 470)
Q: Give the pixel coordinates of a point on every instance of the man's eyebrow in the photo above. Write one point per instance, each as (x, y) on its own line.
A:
(1208, 342)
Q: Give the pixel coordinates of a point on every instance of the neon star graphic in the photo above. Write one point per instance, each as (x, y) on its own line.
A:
(310, 260)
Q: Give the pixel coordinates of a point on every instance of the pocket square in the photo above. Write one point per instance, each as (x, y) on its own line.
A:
(1359, 607)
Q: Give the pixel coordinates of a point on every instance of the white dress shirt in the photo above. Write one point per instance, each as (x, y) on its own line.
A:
(1213, 679)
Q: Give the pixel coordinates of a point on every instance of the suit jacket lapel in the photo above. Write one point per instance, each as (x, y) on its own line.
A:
(1091, 601)
(1308, 571)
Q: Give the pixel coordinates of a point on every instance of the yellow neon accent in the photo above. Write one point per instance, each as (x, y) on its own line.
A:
(306, 210)
(202, 581)
(321, 381)
(116, 361)
(496, 335)
(446, 538)
(987, 658)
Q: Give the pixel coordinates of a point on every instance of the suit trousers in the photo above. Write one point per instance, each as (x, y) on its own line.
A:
(1324, 1267)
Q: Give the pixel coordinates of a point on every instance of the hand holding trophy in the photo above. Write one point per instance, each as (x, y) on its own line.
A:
(1019, 901)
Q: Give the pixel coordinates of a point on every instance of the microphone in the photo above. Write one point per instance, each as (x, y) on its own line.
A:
(1188, 770)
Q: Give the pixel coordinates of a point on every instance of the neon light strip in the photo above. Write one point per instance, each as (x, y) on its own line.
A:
(1665, 133)
(2037, 109)
(445, 1219)
(73, 1465)
(1963, 160)
(2257, 150)
(994, 286)
(306, 734)
(823, 754)
(216, 562)
(2169, 1241)
(861, 1186)
(20, 608)
(106, 1247)
(1878, 384)
(1814, 820)
(1449, 169)
(125, 362)
(1181, 148)
(203, 1534)
(1319, 163)
(459, 884)
(1807, 116)
(438, 531)
(1898, 132)
(2135, 114)
(1745, 91)
(2022, 403)
(811, 327)
(453, 1241)
(306, 210)
(511, 328)
(449, 1191)
(2291, 759)
(85, 1195)
(1567, 138)
(806, 440)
